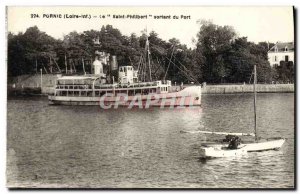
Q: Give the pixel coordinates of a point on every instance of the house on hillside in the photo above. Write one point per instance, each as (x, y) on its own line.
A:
(281, 51)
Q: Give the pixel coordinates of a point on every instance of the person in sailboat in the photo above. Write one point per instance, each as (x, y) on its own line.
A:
(234, 142)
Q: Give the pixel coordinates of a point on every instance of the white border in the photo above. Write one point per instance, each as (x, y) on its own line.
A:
(3, 46)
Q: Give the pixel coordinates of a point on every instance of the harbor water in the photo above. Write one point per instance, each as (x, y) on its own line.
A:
(86, 147)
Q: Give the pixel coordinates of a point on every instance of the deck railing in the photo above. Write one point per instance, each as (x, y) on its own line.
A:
(111, 86)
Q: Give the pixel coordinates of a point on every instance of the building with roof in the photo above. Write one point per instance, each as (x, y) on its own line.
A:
(281, 51)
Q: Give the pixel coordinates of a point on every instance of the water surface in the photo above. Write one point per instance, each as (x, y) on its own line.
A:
(83, 146)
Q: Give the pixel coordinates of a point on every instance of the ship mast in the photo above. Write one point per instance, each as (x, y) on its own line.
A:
(148, 55)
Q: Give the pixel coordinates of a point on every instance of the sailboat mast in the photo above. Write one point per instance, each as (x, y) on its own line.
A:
(254, 89)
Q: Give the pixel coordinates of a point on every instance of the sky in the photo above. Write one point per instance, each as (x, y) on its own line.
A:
(258, 23)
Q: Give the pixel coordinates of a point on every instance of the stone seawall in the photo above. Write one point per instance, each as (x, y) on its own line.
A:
(33, 80)
(247, 88)
(32, 84)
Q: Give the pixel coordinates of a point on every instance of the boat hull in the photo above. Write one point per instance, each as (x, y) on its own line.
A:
(265, 145)
(190, 96)
(220, 151)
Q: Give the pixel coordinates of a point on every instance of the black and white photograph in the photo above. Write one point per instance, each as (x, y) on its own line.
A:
(150, 97)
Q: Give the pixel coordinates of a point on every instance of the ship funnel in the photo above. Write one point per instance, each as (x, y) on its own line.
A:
(113, 63)
(98, 67)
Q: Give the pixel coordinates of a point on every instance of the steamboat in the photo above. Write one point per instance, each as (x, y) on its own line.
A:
(121, 86)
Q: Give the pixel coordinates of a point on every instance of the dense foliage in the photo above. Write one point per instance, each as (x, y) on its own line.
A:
(220, 55)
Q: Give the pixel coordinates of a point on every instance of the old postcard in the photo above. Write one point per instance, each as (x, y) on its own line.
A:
(150, 97)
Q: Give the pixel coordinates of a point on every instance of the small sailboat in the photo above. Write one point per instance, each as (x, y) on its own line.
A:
(232, 145)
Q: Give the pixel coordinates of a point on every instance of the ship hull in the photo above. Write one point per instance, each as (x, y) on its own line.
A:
(190, 96)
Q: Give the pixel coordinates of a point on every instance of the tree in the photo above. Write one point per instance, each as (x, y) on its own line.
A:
(214, 43)
(224, 57)
(219, 57)
(31, 51)
(285, 72)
